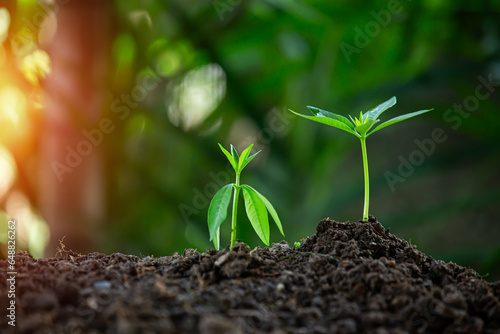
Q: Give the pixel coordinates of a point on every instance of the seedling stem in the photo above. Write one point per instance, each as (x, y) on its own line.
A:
(367, 178)
(235, 209)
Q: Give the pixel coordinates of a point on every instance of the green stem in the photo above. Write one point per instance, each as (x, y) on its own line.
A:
(367, 178)
(235, 210)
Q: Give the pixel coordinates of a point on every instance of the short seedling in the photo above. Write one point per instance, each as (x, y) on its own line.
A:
(256, 205)
(360, 127)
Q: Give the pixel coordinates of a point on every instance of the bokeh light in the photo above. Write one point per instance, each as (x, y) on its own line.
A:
(35, 65)
(196, 96)
(8, 171)
(14, 115)
(32, 232)
(4, 24)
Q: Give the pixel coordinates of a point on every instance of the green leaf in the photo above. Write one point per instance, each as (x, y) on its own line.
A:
(217, 211)
(399, 119)
(247, 160)
(229, 157)
(257, 213)
(329, 121)
(244, 156)
(270, 208)
(324, 113)
(378, 110)
(235, 154)
(365, 127)
(216, 239)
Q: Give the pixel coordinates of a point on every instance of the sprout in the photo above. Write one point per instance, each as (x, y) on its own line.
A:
(360, 127)
(256, 205)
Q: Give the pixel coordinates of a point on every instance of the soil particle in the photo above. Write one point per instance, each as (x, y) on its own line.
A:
(347, 278)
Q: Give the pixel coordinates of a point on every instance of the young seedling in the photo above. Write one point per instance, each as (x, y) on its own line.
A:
(256, 205)
(360, 127)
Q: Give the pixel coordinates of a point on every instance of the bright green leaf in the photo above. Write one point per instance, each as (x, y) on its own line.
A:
(270, 208)
(217, 211)
(357, 121)
(247, 160)
(235, 155)
(378, 110)
(244, 156)
(365, 127)
(229, 157)
(399, 119)
(328, 121)
(257, 213)
(216, 239)
(323, 113)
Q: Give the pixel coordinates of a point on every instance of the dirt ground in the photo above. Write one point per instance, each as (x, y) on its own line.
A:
(347, 278)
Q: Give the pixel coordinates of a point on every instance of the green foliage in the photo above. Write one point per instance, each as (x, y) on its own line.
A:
(304, 61)
(360, 128)
(256, 205)
(257, 213)
(218, 210)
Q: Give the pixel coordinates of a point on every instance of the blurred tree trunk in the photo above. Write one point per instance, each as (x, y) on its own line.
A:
(71, 185)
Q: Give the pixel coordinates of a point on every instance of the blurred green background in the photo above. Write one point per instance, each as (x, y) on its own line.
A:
(228, 70)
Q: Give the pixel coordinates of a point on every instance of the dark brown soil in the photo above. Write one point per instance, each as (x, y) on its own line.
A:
(347, 278)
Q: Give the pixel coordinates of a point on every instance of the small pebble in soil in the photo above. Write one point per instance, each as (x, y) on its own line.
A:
(102, 285)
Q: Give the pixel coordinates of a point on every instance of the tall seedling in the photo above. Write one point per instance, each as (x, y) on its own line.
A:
(360, 127)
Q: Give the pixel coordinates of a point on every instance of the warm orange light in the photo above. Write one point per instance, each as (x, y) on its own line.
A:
(4, 24)
(8, 171)
(35, 65)
(13, 114)
(32, 231)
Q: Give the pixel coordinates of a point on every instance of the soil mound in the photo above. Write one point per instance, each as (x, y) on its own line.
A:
(347, 278)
